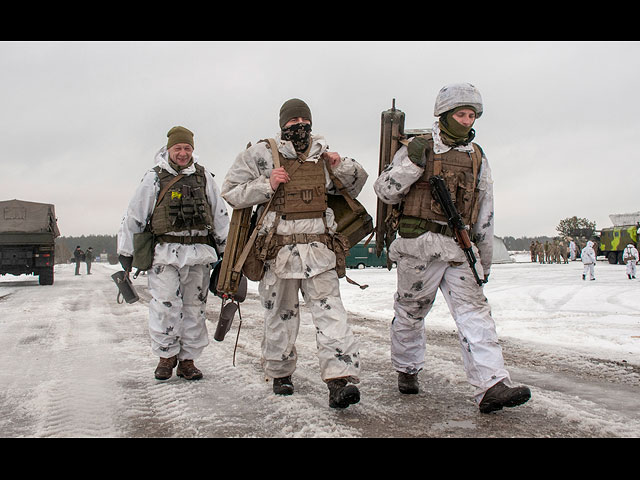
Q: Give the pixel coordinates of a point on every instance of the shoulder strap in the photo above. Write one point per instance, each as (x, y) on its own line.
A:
(245, 251)
(274, 152)
(167, 187)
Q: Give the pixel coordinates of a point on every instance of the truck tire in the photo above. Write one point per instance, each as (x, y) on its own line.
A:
(612, 257)
(46, 276)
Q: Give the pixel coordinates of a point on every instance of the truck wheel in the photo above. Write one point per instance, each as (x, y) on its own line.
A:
(621, 258)
(46, 276)
(612, 257)
(361, 266)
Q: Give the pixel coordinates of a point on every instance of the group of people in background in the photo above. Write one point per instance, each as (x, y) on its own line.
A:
(81, 256)
(557, 251)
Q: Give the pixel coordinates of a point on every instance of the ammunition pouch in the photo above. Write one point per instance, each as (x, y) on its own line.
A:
(412, 227)
(143, 247)
(253, 266)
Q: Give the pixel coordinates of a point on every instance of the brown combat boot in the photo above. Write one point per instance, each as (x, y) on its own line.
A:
(188, 370)
(165, 367)
(500, 396)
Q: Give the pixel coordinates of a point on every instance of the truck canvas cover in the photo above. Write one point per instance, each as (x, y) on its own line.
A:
(20, 216)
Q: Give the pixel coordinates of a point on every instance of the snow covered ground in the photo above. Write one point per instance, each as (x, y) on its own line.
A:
(78, 364)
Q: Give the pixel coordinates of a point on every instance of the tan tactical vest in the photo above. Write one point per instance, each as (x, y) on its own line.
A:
(185, 205)
(305, 195)
(460, 173)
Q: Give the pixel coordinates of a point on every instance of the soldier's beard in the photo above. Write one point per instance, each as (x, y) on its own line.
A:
(299, 134)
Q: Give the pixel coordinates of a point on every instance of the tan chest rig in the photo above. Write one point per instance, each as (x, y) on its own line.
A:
(460, 172)
(183, 207)
(304, 196)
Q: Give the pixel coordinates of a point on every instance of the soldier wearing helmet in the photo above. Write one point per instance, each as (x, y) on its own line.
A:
(428, 256)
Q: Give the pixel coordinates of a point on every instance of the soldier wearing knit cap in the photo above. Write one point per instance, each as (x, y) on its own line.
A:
(179, 135)
(294, 108)
(190, 226)
(293, 231)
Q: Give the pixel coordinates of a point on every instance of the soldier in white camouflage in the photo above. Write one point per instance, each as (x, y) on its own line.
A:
(630, 257)
(301, 264)
(428, 257)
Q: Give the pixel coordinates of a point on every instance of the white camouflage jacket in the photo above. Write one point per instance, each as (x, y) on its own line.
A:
(141, 207)
(247, 184)
(394, 182)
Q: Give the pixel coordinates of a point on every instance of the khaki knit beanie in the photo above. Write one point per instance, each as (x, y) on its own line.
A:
(179, 135)
(293, 108)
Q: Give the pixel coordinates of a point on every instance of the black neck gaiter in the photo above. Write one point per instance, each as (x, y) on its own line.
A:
(299, 134)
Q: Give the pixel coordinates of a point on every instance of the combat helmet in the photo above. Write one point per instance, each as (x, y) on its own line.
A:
(457, 95)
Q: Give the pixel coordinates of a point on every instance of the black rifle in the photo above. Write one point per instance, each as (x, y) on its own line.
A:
(455, 221)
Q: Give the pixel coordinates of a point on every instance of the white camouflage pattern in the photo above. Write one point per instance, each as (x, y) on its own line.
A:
(632, 253)
(306, 267)
(179, 277)
(433, 261)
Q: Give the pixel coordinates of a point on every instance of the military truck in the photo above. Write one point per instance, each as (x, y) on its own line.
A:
(613, 240)
(27, 239)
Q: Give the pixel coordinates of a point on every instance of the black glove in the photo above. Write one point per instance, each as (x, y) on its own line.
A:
(126, 262)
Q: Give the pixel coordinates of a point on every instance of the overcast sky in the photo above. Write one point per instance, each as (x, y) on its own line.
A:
(80, 122)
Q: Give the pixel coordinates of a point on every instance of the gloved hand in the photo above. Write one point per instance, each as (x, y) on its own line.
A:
(418, 150)
(126, 262)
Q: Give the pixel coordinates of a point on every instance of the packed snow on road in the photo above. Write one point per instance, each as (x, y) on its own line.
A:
(76, 363)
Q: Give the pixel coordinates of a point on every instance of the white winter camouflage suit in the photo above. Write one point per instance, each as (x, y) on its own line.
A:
(179, 277)
(632, 253)
(433, 261)
(306, 267)
(588, 257)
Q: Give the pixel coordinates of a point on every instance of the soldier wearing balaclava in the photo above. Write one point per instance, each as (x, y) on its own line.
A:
(297, 241)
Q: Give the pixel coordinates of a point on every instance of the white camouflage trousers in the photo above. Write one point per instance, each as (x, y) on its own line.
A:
(177, 321)
(337, 352)
(631, 268)
(418, 283)
(589, 271)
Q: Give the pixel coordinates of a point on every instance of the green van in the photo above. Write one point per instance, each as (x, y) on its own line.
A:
(361, 256)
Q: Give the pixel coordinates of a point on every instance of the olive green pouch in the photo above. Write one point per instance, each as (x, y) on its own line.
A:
(143, 247)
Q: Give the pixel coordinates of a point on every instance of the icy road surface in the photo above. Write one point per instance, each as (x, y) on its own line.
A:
(78, 364)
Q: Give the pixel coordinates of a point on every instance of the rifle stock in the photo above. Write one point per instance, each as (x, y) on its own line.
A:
(454, 219)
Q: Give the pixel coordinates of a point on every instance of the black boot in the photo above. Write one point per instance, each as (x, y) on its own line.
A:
(342, 395)
(500, 396)
(408, 383)
(283, 386)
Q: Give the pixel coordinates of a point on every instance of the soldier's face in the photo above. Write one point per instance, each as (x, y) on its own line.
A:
(180, 153)
(465, 117)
